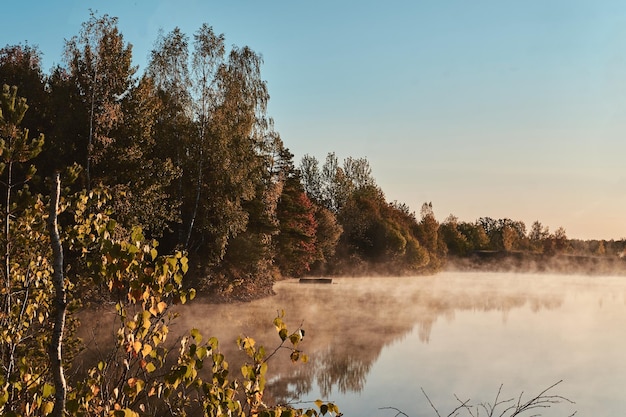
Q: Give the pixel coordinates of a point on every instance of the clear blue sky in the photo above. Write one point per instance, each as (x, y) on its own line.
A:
(485, 108)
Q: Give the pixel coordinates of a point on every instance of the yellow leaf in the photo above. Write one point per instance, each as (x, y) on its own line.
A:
(137, 346)
(146, 350)
(161, 306)
(47, 407)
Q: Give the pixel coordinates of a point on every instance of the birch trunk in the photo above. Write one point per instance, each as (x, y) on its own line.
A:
(60, 303)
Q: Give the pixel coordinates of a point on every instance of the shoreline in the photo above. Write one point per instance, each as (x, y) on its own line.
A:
(502, 261)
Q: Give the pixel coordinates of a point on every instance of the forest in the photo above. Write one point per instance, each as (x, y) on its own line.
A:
(187, 152)
(142, 189)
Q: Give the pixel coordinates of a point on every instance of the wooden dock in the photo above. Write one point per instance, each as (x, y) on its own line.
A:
(316, 280)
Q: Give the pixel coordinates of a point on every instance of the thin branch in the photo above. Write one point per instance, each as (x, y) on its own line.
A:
(398, 412)
(430, 402)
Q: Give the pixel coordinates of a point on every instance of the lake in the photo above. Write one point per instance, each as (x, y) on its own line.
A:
(375, 343)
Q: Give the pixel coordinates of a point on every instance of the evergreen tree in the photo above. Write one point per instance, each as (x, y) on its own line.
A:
(25, 295)
(295, 243)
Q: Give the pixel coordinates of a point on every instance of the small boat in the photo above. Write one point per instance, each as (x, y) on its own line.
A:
(316, 280)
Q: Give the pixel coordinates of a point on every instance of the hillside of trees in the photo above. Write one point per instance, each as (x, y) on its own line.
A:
(187, 152)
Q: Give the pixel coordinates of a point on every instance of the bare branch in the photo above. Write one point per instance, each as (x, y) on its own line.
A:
(511, 407)
(430, 402)
(398, 412)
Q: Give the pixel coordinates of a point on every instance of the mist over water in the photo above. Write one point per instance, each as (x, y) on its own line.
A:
(376, 342)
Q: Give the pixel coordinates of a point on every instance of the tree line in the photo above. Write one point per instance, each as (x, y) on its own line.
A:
(188, 153)
(138, 188)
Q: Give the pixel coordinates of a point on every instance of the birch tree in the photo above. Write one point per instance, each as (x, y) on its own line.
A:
(99, 65)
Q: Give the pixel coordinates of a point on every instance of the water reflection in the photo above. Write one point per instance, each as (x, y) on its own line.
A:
(352, 322)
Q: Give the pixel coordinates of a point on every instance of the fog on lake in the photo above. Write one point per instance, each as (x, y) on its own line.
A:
(378, 342)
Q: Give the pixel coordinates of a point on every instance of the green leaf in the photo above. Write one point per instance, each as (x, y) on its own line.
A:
(4, 397)
(202, 352)
(136, 234)
(283, 334)
(72, 405)
(278, 322)
(172, 263)
(195, 333)
(294, 338)
(248, 372)
(184, 263)
(48, 390)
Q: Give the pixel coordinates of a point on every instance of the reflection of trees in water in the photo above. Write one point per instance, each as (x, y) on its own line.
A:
(376, 313)
(349, 324)
(345, 371)
(331, 370)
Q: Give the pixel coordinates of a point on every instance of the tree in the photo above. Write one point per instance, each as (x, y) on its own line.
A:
(455, 241)
(509, 238)
(16, 148)
(504, 234)
(311, 178)
(169, 71)
(20, 66)
(380, 233)
(100, 67)
(60, 302)
(216, 106)
(140, 174)
(560, 239)
(475, 235)
(234, 169)
(25, 297)
(537, 235)
(295, 243)
(327, 236)
(207, 59)
(331, 186)
(358, 172)
(427, 231)
(214, 119)
(328, 228)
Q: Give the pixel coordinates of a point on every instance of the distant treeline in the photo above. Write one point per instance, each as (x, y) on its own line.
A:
(187, 152)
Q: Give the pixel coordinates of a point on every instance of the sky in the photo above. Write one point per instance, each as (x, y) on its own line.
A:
(502, 109)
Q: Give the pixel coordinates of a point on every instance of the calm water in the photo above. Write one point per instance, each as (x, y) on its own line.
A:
(377, 342)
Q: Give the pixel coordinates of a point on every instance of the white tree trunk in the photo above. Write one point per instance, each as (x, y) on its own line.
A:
(60, 303)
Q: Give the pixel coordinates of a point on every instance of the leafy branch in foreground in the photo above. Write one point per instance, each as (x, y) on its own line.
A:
(254, 374)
